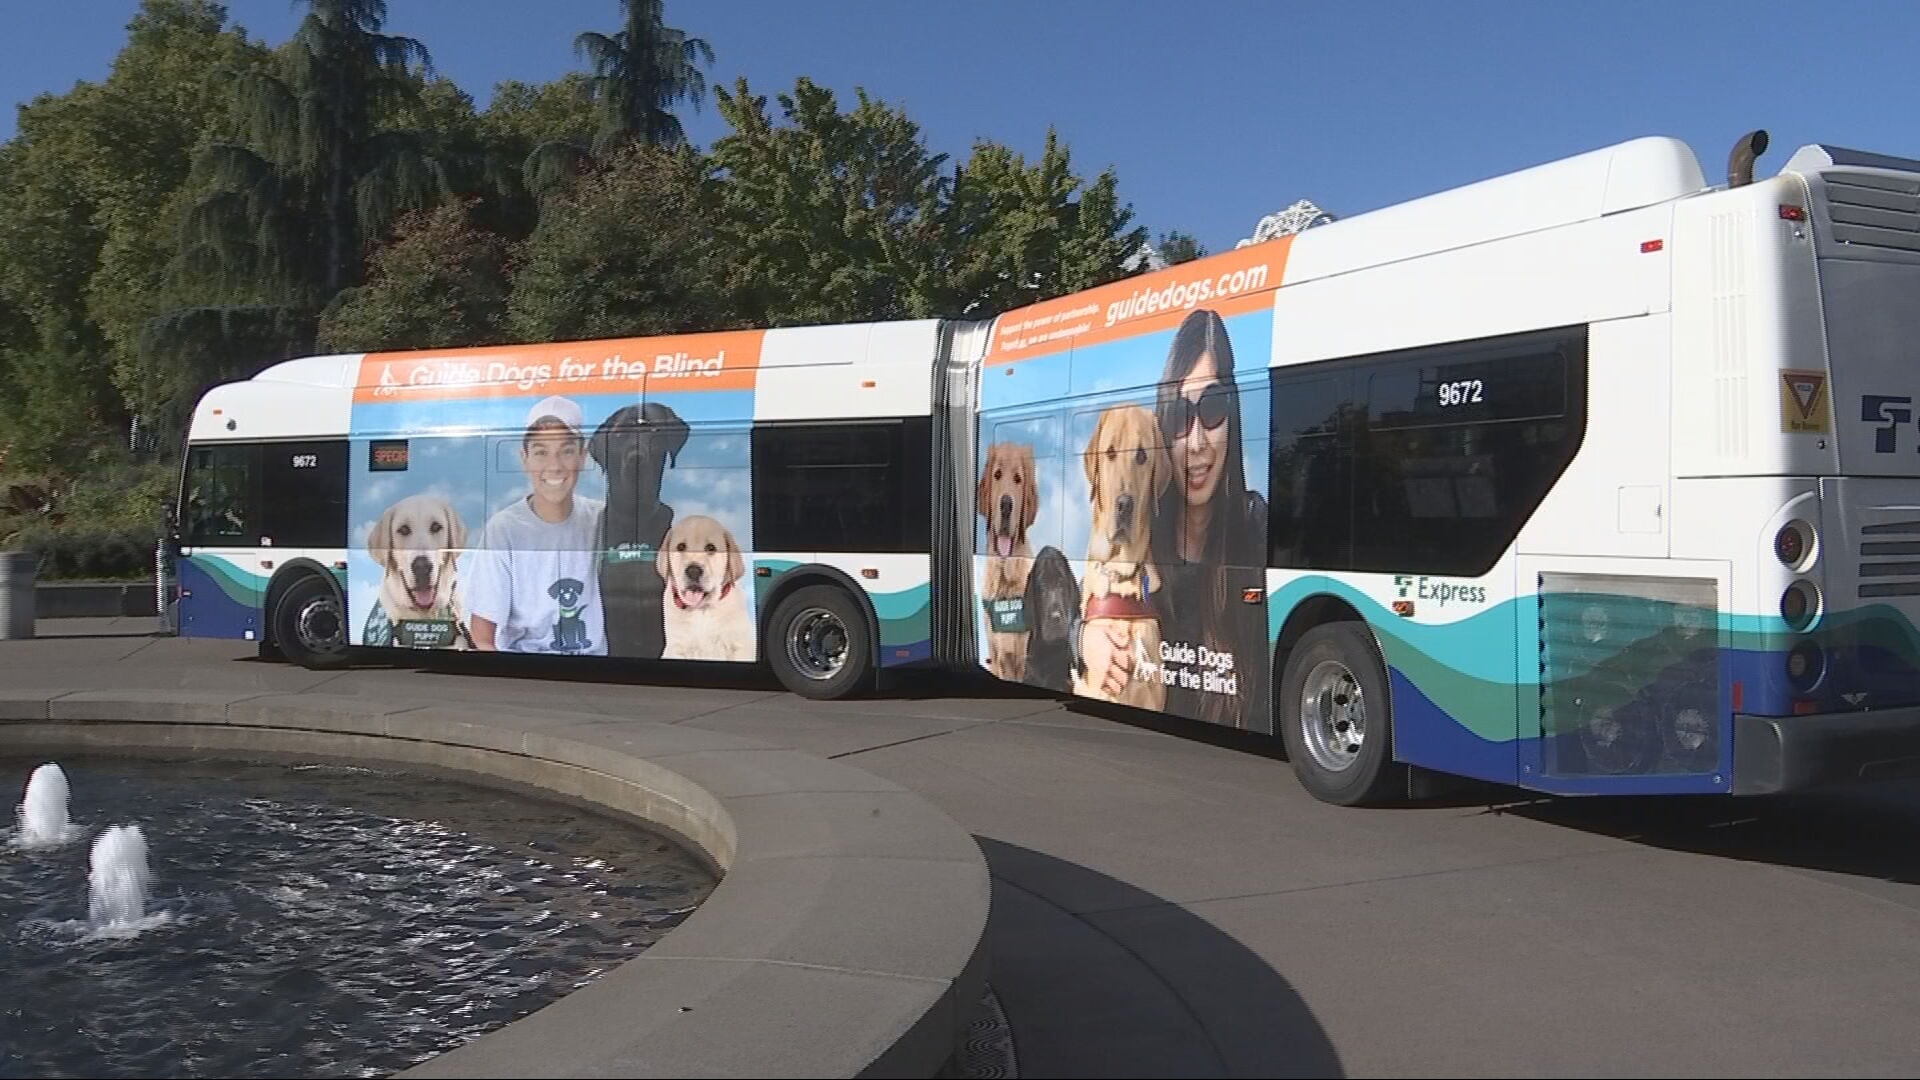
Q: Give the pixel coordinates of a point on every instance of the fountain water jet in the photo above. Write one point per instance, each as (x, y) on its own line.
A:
(42, 817)
(117, 886)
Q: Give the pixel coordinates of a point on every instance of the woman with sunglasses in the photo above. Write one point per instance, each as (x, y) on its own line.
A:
(1209, 533)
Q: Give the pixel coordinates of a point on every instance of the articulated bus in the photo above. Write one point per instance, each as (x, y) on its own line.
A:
(1593, 478)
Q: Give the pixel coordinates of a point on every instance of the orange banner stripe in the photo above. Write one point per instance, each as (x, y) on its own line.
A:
(1229, 283)
(720, 361)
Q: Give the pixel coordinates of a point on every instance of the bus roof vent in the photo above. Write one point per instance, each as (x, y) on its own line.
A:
(1872, 209)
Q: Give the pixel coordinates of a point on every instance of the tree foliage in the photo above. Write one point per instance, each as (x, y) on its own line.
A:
(1177, 247)
(640, 74)
(831, 217)
(629, 250)
(215, 205)
(441, 283)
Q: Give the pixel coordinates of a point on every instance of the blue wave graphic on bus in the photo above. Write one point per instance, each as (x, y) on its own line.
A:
(904, 615)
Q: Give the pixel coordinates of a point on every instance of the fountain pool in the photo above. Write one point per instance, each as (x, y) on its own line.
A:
(245, 919)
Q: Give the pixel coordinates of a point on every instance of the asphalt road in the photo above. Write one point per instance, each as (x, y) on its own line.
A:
(1168, 901)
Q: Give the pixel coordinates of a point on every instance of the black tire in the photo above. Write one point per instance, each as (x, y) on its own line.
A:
(1336, 717)
(819, 644)
(310, 625)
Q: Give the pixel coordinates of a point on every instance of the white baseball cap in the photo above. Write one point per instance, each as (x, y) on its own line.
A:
(557, 408)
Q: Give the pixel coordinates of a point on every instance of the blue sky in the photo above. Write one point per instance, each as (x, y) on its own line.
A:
(1213, 113)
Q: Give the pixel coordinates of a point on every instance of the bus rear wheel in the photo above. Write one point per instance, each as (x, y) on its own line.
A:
(818, 644)
(1336, 717)
(310, 625)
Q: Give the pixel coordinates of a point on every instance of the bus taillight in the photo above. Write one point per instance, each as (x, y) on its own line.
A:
(1793, 545)
(1806, 664)
(1800, 605)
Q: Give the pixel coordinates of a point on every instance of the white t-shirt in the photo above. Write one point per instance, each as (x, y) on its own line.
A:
(538, 582)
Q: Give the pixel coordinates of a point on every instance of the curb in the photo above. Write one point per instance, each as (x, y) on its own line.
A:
(846, 936)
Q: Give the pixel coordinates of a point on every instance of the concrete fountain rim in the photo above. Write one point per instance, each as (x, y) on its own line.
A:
(846, 936)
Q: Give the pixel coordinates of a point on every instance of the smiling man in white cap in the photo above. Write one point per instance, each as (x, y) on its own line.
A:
(535, 586)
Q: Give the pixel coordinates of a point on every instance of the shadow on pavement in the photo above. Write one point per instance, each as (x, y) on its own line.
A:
(1867, 831)
(1099, 978)
(905, 685)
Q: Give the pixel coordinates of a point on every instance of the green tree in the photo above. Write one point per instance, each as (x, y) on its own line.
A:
(281, 217)
(441, 283)
(522, 116)
(316, 176)
(1015, 233)
(640, 74)
(629, 250)
(170, 91)
(831, 217)
(1177, 247)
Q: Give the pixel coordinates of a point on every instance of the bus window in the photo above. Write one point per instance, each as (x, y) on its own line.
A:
(222, 497)
(303, 493)
(843, 487)
(1310, 511)
(1460, 445)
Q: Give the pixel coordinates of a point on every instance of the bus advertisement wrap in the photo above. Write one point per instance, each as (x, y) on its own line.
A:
(556, 500)
(1122, 506)
(1227, 284)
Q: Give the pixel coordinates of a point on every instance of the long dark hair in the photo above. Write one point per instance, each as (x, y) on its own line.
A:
(1232, 538)
(1209, 601)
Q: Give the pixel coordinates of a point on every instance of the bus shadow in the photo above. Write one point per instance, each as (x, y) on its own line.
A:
(1863, 831)
(1100, 978)
(898, 685)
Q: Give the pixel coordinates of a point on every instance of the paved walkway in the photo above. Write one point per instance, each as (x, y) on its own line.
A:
(1167, 901)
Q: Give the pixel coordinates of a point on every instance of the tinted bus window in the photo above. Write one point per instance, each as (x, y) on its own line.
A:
(1310, 466)
(221, 504)
(843, 487)
(303, 493)
(1427, 461)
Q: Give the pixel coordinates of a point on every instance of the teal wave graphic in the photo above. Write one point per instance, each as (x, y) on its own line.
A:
(1482, 669)
(905, 614)
(240, 585)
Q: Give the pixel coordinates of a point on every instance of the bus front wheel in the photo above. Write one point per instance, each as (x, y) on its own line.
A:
(818, 643)
(310, 625)
(1337, 718)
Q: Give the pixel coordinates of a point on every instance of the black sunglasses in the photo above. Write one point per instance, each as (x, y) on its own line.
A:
(1215, 404)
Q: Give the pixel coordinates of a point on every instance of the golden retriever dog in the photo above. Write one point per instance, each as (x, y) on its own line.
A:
(706, 611)
(1127, 469)
(1009, 498)
(417, 544)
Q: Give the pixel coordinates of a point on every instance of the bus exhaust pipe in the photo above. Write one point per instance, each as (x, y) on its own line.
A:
(1745, 153)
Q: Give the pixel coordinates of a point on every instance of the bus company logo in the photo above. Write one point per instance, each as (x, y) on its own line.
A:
(1889, 412)
(1442, 593)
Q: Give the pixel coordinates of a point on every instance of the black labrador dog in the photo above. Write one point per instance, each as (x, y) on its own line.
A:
(634, 447)
(1053, 600)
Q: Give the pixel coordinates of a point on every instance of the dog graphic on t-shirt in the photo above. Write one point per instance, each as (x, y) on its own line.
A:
(569, 630)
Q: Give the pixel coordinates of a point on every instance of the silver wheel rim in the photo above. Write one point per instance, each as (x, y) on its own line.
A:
(817, 644)
(318, 625)
(1333, 716)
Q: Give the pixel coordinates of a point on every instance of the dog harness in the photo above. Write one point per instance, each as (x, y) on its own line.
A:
(684, 606)
(1007, 615)
(1113, 606)
(1119, 607)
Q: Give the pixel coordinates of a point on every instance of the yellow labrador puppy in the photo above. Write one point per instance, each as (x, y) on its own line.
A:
(417, 544)
(706, 608)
